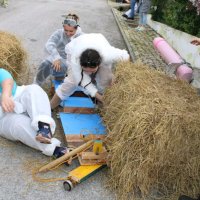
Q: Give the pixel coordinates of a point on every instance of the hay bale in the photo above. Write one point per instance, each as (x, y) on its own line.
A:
(13, 56)
(153, 126)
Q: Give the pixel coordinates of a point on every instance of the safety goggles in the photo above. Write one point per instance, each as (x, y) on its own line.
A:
(70, 22)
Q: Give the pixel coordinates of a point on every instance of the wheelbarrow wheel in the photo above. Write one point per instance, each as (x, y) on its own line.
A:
(68, 185)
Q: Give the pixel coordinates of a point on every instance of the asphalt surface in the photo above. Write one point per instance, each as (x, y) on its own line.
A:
(33, 21)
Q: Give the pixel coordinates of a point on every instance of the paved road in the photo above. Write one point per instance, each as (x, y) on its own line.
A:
(33, 21)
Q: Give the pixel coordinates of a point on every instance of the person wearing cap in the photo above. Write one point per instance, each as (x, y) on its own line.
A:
(55, 63)
(90, 60)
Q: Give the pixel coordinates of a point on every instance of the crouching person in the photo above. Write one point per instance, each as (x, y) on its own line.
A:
(90, 60)
(25, 116)
(55, 63)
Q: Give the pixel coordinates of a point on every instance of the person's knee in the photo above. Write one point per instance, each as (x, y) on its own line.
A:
(45, 65)
(45, 68)
(63, 68)
(61, 73)
(44, 71)
(34, 90)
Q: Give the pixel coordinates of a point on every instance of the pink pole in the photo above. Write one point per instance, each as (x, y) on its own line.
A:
(170, 56)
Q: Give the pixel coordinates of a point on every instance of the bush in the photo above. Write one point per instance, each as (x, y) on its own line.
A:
(179, 14)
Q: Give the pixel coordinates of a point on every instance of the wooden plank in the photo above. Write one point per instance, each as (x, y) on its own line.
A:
(77, 126)
(92, 156)
(78, 137)
(80, 105)
(82, 102)
(77, 140)
(82, 124)
(91, 161)
(78, 110)
(81, 173)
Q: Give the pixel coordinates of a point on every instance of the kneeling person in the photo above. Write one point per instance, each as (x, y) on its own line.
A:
(90, 60)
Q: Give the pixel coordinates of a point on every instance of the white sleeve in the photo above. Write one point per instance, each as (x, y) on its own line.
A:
(92, 90)
(104, 77)
(68, 87)
(88, 85)
(51, 45)
(68, 51)
(119, 55)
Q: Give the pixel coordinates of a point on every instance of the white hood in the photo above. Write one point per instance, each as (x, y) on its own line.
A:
(92, 41)
(98, 42)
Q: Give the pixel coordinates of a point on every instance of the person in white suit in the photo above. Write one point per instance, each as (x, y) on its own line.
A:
(25, 116)
(90, 60)
(55, 63)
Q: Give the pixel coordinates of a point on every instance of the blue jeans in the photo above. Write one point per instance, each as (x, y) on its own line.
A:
(46, 69)
(62, 72)
(132, 9)
(143, 18)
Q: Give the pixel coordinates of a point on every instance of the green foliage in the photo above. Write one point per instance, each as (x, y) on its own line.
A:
(179, 14)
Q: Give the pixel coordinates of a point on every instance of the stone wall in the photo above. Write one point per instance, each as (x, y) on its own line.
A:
(179, 40)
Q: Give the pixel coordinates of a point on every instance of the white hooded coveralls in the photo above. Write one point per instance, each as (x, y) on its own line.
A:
(55, 47)
(104, 75)
(31, 106)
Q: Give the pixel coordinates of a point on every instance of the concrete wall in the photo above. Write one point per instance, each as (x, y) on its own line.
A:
(179, 40)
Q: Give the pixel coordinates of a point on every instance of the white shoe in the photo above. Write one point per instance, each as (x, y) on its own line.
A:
(137, 28)
(141, 28)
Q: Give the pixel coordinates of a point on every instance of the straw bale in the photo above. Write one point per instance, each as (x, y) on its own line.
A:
(153, 124)
(13, 56)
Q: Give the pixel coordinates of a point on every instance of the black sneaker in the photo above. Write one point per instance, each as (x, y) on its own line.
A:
(60, 151)
(44, 134)
(124, 15)
(130, 18)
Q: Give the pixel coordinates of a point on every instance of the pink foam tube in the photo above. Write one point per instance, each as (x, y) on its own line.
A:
(183, 72)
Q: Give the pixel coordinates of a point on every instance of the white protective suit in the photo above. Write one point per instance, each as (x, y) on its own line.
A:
(104, 75)
(31, 105)
(55, 47)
